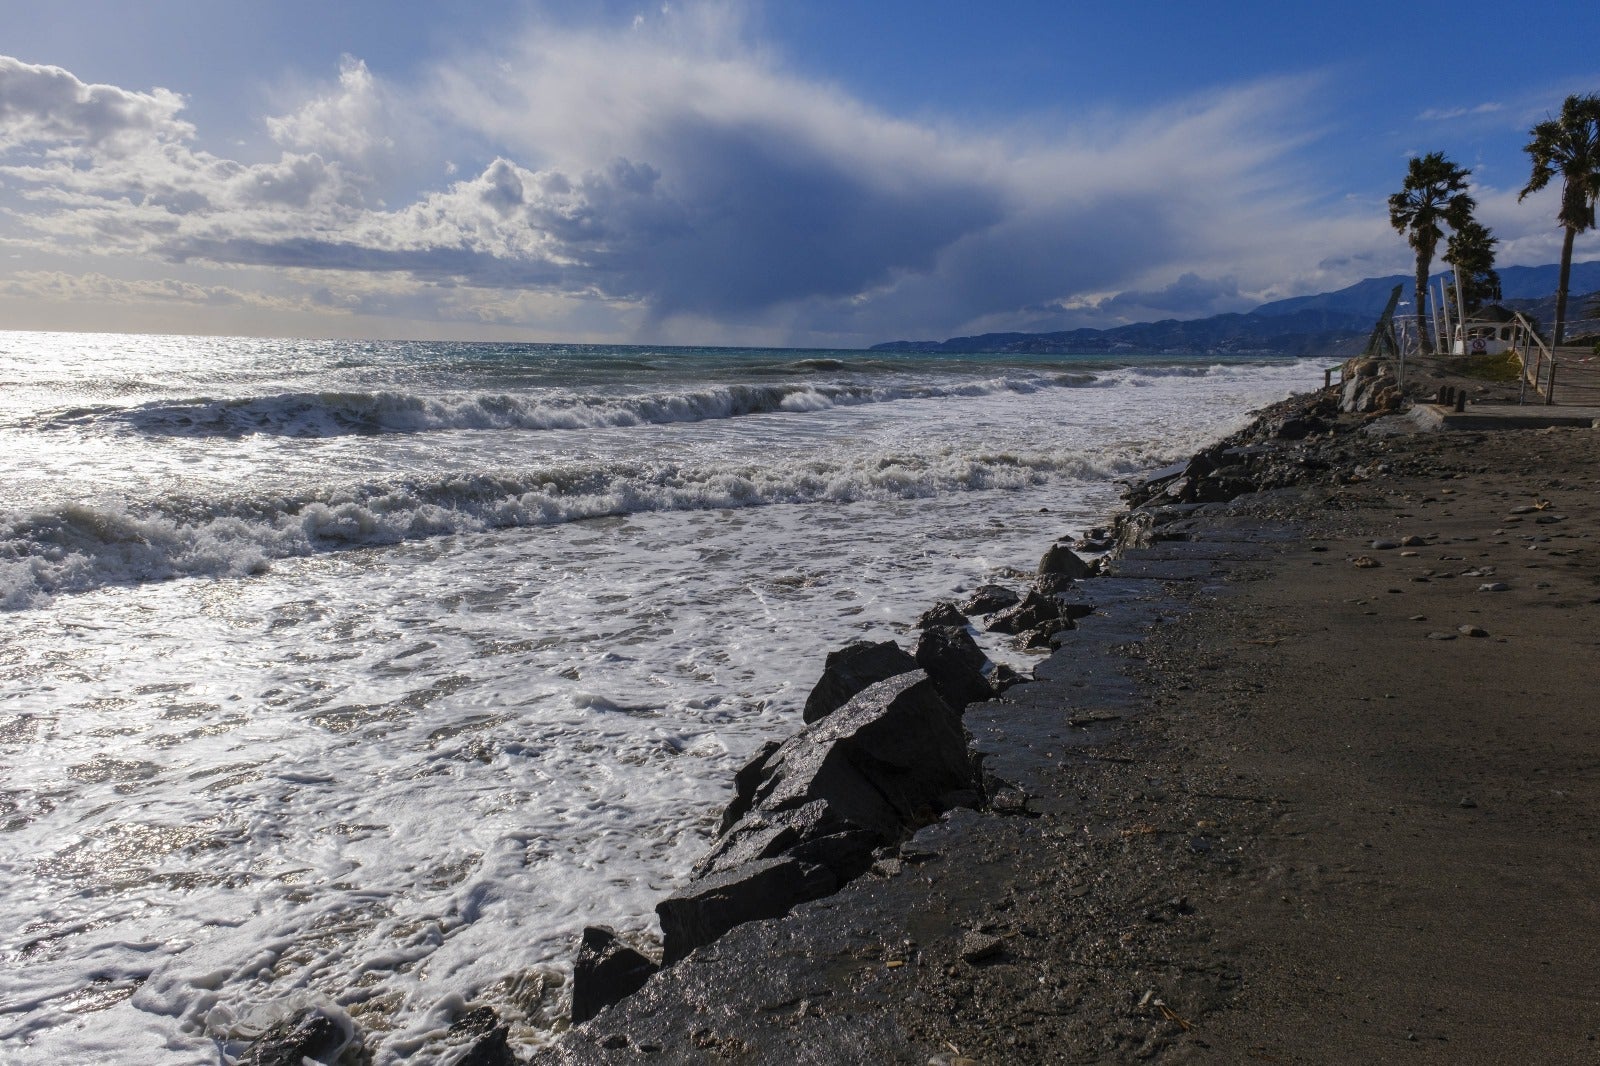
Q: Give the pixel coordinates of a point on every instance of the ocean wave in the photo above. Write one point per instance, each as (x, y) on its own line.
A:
(331, 414)
(79, 546)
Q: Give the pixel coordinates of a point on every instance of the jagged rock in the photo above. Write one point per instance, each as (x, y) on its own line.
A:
(711, 906)
(491, 1047)
(851, 669)
(988, 599)
(745, 781)
(886, 763)
(606, 972)
(956, 663)
(942, 613)
(310, 1035)
(1034, 610)
(1060, 559)
(1003, 677)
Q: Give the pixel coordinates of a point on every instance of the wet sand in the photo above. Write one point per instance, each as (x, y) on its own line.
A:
(1271, 803)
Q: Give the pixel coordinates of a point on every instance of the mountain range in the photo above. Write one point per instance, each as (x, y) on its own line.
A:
(1329, 323)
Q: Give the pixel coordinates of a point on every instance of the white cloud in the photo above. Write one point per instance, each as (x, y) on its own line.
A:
(671, 175)
(45, 105)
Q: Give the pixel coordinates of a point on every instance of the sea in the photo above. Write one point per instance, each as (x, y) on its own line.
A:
(362, 675)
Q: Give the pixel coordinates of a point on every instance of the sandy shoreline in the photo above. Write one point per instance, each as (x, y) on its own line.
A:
(1279, 806)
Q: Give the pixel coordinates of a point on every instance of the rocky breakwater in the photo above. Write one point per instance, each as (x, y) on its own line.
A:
(883, 752)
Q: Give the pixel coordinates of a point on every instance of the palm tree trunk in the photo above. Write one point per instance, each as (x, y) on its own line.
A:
(1424, 337)
(1561, 284)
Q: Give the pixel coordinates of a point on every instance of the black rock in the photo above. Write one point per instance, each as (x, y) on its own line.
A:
(745, 781)
(1060, 559)
(869, 774)
(607, 971)
(491, 1047)
(711, 906)
(942, 613)
(311, 1035)
(850, 670)
(989, 599)
(956, 663)
(1034, 610)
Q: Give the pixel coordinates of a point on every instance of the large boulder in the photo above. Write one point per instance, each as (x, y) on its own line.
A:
(710, 906)
(886, 763)
(987, 599)
(850, 670)
(606, 972)
(956, 663)
(1059, 558)
(943, 613)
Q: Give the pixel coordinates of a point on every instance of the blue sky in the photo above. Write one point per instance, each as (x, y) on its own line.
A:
(826, 174)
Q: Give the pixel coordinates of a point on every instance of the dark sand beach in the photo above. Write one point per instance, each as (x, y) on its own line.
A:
(1316, 783)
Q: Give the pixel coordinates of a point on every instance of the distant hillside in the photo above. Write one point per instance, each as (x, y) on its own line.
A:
(1369, 296)
(1329, 323)
(1311, 332)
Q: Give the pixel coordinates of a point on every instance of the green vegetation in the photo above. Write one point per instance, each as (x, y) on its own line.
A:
(1503, 367)
(1435, 192)
(1470, 252)
(1568, 146)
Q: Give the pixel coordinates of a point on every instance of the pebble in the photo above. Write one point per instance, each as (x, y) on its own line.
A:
(1441, 636)
(1366, 562)
(1472, 631)
(1494, 586)
(1409, 555)
(1418, 618)
(1412, 541)
(1385, 545)
(975, 947)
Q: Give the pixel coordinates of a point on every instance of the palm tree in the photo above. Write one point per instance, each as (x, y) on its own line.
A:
(1569, 146)
(1470, 253)
(1435, 191)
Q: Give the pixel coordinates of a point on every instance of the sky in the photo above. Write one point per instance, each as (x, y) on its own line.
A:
(825, 174)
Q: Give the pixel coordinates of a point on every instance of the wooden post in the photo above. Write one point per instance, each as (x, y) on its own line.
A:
(1550, 393)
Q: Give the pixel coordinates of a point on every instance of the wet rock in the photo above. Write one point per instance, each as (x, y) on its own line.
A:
(988, 599)
(1034, 610)
(1061, 559)
(309, 1035)
(492, 1046)
(883, 765)
(711, 906)
(606, 972)
(745, 781)
(942, 613)
(956, 663)
(850, 670)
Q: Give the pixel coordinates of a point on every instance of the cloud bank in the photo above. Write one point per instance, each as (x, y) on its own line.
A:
(675, 181)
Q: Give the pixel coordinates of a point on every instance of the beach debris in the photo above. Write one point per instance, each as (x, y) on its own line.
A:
(987, 599)
(1365, 562)
(850, 670)
(607, 971)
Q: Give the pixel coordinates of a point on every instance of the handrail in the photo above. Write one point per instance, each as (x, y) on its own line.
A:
(1525, 341)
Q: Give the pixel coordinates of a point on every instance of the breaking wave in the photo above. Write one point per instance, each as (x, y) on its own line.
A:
(79, 546)
(331, 414)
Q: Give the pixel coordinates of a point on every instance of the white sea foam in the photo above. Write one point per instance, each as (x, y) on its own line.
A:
(418, 706)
